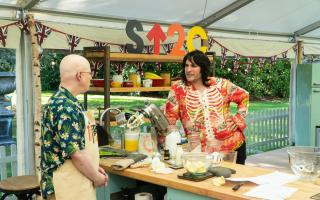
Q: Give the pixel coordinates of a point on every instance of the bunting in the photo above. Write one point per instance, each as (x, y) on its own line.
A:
(167, 47)
(185, 45)
(273, 60)
(100, 44)
(248, 65)
(261, 62)
(236, 62)
(140, 68)
(42, 32)
(118, 67)
(3, 35)
(210, 42)
(23, 25)
(284, 54)
(95, 67)
(123, 48)
(73, 42)
(223, 57)
(148, 49)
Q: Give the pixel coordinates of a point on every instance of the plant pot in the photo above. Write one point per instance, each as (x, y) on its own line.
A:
(167, 78)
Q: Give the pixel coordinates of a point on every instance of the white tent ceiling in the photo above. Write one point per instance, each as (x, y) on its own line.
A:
(283, 21)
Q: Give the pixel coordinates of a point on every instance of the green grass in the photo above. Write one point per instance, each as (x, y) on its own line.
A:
(131, 102)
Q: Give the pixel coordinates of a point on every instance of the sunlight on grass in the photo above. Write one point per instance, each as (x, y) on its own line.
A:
(132, 102)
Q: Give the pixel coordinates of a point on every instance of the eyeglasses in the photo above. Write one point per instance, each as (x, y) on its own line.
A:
(86, 73)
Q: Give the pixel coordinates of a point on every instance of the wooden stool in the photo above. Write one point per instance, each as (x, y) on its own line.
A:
(23, 187)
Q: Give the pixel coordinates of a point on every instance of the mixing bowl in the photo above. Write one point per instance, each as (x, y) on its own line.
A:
(305, 161)
(196, 163)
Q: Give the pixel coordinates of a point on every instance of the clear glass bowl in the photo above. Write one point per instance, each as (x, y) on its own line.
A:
(196, 163)
(305, 161)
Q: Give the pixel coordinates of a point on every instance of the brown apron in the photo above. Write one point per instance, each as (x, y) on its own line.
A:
(69, 183)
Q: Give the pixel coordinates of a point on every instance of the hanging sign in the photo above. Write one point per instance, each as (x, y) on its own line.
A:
(156, 35)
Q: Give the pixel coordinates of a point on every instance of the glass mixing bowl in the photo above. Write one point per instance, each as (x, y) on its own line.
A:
(196, 163)
(305, 161)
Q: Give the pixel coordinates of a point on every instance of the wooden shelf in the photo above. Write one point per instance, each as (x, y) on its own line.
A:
(129, 89)
(130, 57)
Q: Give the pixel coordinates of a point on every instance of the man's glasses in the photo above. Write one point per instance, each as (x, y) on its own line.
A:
(86, 73)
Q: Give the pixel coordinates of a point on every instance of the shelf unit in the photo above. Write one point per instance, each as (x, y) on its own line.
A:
(104, 55)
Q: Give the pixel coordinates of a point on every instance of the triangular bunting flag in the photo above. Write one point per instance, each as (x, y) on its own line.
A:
(118, 67)
(210, 42)
(223, 57)
(284, 54)
(273, 60)
(100, 44)
(3, 35)
(236, 62)
(148, 49)
(123, 48)
(95, 67)
(42, 32)
(167, 47)
(261, 62)
(185, 45)
(73, 42)
(248, 67)
(23, 25)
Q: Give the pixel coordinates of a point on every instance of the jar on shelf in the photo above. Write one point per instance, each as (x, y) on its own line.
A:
(135, 78)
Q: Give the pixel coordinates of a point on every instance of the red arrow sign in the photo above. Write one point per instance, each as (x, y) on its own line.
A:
(156, 34)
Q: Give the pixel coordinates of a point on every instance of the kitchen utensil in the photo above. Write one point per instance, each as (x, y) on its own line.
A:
(147, 83)
(127, 84)
(196, 163)
(131, 140)
(305, 161)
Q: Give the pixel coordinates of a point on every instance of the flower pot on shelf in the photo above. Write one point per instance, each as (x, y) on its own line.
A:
(167, 78)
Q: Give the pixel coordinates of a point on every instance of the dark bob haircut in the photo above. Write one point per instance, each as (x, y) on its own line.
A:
(199, 58)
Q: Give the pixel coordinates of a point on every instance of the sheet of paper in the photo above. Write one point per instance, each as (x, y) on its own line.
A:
(271, 191)
(278, 178)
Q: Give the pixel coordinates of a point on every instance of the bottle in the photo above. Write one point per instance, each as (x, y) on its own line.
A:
(166, 155)
(179, 152)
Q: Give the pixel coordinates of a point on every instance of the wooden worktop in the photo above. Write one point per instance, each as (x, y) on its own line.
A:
(205, 188)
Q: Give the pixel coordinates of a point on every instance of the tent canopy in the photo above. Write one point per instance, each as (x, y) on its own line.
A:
(234, 23)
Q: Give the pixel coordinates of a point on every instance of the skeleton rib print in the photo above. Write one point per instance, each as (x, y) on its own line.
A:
(195, 106)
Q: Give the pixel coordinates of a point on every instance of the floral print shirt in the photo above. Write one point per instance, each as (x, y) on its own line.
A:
(62, 134)
(206, 117)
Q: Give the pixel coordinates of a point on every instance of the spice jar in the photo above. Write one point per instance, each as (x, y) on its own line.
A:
(166, 155)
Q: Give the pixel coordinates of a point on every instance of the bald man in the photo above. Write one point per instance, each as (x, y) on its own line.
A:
(69, 147)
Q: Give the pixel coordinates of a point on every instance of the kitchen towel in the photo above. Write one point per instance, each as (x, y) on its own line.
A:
(143, 196)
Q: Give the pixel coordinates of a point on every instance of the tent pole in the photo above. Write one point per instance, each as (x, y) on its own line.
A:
(300, 52)
(25, 138)
(36, 91)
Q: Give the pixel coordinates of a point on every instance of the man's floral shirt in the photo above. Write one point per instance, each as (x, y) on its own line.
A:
(62, 133)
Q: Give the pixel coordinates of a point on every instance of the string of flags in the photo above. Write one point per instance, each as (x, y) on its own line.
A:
(43, 32)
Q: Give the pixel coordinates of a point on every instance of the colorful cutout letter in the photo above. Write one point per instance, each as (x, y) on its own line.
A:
(135, 37)
(176, 50)
(156, 34)
(196, 30)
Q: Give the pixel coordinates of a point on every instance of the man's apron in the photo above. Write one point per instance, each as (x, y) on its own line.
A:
(69, 183)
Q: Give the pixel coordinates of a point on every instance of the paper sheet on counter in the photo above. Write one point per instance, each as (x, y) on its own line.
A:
(277, 178)
(271, 192)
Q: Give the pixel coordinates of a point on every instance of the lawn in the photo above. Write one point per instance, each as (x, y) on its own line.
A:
(131, 102)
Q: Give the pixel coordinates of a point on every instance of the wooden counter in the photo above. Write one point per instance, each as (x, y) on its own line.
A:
(205, 188)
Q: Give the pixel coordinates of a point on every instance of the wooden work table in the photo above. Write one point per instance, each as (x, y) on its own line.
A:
(204, 189)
